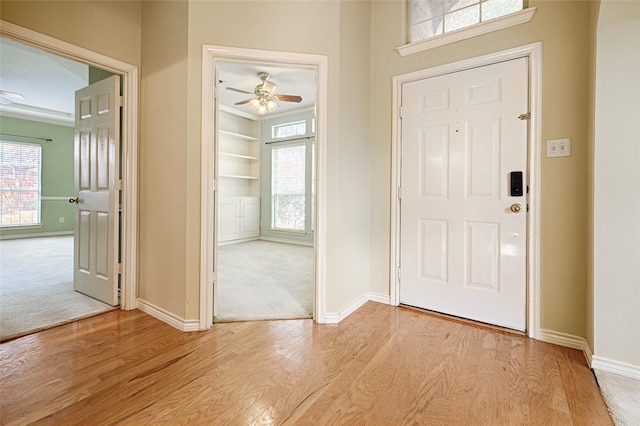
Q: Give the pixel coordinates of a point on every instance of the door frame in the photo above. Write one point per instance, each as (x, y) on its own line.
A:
(211, 54)
(129, 140)
(534, 54)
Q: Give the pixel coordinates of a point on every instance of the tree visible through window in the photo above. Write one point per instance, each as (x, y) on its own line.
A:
(288, 187)
(19, 184)
(428, 18)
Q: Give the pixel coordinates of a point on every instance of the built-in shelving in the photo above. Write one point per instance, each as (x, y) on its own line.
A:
(238, 135)
(246, 157)
(238, 177)
(239, 173)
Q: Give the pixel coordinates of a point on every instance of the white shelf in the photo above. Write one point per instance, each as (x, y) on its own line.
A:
(245, 157)
(238, 135)
(239, 177)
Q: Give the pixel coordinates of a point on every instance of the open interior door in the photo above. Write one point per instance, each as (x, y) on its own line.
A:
(96, 176)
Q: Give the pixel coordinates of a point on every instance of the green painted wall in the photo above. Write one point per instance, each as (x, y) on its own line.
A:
(98, 74)
(57, 172)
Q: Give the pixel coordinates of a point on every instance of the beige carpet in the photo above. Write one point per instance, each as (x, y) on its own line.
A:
(263, 280)
(36, 286)
(622, 396)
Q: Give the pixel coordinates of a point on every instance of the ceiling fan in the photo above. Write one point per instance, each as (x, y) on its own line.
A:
(265, 100)
(9, 97)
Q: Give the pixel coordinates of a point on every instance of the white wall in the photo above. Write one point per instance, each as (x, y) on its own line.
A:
(617, 184)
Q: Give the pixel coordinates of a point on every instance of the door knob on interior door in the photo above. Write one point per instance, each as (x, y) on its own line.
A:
(74, 200)
(516, 208)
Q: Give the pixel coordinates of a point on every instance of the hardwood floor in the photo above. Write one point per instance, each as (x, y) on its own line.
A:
(381, 365)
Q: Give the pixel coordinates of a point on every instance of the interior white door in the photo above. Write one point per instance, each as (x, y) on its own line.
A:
(463, 233)
(97, 153)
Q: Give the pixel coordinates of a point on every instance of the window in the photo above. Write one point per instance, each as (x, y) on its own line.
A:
(288, 187)
(429, 18)
(19, 184)
(287, 130)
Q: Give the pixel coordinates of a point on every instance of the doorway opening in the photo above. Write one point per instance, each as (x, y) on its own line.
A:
(60, 222)
(265, 122)
(263, 180)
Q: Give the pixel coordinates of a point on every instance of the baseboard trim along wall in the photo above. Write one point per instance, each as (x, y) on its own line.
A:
(616, 367)
(167, 317)
(336, 317)
(42, 234)
(379, 297)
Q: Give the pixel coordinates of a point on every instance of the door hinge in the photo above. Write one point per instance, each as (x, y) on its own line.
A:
(119, 101)
(526, 116)
(119, 269)
(399, 274)
(400, 111)
(399, 192)
(119, 185)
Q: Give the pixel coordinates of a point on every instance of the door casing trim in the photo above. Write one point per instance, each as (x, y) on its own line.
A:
(129, 136)
(208, 205)
(534, 54)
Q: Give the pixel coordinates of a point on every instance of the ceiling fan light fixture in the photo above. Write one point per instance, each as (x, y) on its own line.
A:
(255, 103)
(263, 105)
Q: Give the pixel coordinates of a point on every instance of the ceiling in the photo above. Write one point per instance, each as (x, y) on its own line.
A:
(48, 83)
(290, 80)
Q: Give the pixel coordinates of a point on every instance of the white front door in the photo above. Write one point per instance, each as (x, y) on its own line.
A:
(97, 153)
(463, 231)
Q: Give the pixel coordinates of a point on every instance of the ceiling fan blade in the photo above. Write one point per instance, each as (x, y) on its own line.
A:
(287, 98)
(239, 91)
(246, 101)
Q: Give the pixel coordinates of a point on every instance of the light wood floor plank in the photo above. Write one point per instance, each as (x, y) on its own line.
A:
(381, 365)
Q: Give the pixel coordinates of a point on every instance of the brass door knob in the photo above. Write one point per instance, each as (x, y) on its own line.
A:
(516, 208)
(74, 200)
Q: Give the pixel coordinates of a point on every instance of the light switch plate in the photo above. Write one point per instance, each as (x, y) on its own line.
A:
(559, 147)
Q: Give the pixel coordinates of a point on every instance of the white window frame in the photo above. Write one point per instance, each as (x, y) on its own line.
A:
(38, 222)
(485, 27)
(293, 123)
(306, 195)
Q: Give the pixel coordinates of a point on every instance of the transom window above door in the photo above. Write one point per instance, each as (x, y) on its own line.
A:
(433, 23)
(429, 18)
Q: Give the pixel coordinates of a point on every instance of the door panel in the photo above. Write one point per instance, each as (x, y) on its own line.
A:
(97, 145)
(463, 251)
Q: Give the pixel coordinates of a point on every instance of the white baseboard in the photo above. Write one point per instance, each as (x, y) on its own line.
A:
(40, 234)
(616, 367)
(568, 341)
(379, 297)
(336, 317)
(587, 353)
(167, 317)
(563, 339)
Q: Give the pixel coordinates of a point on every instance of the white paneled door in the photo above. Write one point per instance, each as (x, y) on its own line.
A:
(463, 212)
(97, 146)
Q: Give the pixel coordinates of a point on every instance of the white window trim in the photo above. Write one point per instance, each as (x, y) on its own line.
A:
(495, 24)
(38, 224)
